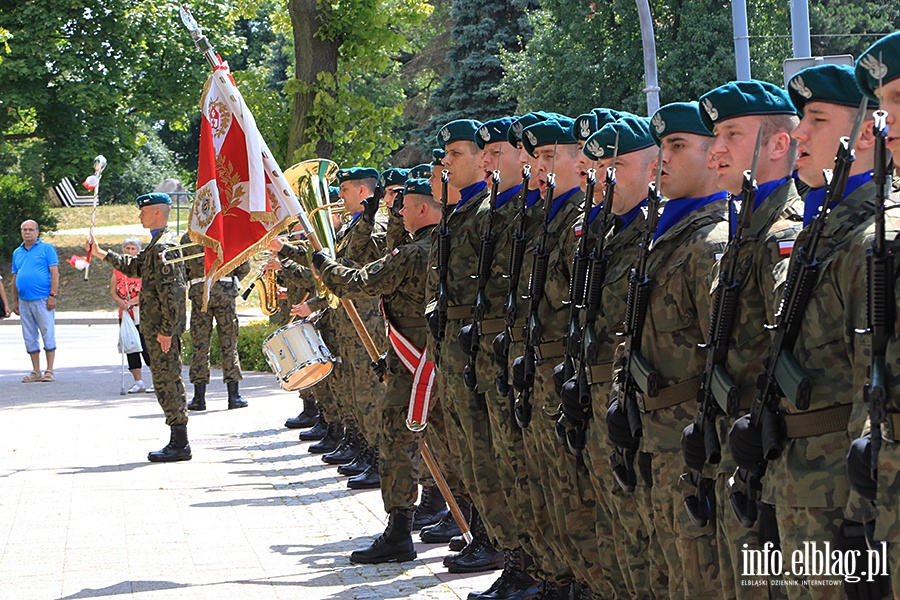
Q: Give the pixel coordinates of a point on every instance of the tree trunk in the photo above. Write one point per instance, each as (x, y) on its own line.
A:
(313, 56)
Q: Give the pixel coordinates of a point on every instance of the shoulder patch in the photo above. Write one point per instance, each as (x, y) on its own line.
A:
(375, 267)
(395, 251)
(785, 248)
(578, 228)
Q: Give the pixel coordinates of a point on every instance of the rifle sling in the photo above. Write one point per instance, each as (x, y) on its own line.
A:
(817, 422)
(671, 395)
(600, 374)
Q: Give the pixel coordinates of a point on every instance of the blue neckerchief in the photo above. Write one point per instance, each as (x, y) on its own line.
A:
(814, 200)
(594, 212)
(534, 196)
(675, 210)
(155, 231)
(355, 218)
(504, 197)
(467, 193)
(763, 191)
(631, 215)
(559, 202)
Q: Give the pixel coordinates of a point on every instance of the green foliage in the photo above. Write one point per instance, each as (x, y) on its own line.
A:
(846, 18)
(152, 163)
(250, 342)
(20, 200)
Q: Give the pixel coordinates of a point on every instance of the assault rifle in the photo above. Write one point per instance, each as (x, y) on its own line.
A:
(471, 336)
(880, 301)
(637, 375)
(576, 393)
(514, 271)
(783, 376)
(717, 391)
(533, 328)
(443, 266)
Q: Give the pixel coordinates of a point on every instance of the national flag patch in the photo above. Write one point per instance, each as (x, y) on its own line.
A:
(719, 256)
(578, 228)
(395, 251)
(785, 248)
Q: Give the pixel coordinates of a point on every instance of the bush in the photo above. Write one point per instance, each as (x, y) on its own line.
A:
(250, 342)
(20, 200)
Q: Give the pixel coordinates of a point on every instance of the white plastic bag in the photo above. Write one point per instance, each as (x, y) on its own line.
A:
(129, 339)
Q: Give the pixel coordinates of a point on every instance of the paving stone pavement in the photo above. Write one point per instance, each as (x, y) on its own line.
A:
(252, 516)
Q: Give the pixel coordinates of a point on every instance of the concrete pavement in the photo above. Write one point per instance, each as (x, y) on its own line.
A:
(253, 515)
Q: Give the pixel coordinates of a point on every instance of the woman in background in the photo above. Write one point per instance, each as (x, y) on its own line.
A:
(126, 293)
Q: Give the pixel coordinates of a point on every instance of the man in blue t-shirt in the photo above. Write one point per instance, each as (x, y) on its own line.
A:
(35, 272)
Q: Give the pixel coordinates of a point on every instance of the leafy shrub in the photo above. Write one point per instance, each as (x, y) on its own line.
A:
(20, 200)
(250, 342)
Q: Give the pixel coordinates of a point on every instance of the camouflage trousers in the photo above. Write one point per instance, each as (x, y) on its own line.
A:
(579, 528)
(220, 307)
(166, 370)
(336, 386)
(689, 551)
(365, 389)
(399, 452)
(810, 525)
(635, 547)
(445, 450)
(467, 418)
(887, 513)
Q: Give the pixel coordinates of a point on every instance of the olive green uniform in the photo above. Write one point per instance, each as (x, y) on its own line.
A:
(162, 313)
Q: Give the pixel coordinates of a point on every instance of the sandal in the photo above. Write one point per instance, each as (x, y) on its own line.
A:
(32, 377)
(48, 375)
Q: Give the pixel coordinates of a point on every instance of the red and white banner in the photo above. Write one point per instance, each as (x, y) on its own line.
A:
(422, 369)
(236, 209)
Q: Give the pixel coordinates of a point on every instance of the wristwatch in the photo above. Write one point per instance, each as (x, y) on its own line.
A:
(53, 294)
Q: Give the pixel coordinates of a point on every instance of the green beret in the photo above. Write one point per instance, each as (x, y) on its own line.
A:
(585, 125)
(418, 186)
(835, 84)
(334, 193)
(394, 177)
(678, 117)
(437, 156)
(546, 133)
(493, 131)
(461, 129)
(422, 171)
(880, 63)
(634, 135)
(154, 198)
(743, 98)
(356, 174)
(514, 136)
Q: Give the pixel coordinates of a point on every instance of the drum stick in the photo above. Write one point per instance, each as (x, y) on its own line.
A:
(294, 317)
(445, 491)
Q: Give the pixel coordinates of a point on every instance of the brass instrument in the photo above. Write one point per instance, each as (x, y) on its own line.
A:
(310, 180)
(266, 282)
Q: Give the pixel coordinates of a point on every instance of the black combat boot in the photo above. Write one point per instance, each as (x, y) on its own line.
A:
(360, 462)
(315, 433)
(347, 450)
(442, 531)
(514, 583)
(553, 591)
(394, 545)
(307, 418)
(330, 441)
(234, 396)
(368, 479)
(198, 402)
(479, 554)
(457, 543)
(431, 508)
(177, 448)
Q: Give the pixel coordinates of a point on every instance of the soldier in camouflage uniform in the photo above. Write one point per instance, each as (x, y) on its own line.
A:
(884, 490)
(692, 233)
(808, 484)
(162, 318)
(392, 181)
(619, 527)
(221, 307)
(398, 280)
(744, 109)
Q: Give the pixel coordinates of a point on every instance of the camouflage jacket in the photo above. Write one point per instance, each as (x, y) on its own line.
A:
(764, 252)
(677, 320)
(162, 285)
(465, 241)
(812, 470)
(194, 269)
(396, 234)
(362, 241)
(397, 277)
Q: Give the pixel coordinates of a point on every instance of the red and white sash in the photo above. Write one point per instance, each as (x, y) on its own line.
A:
(422, 370)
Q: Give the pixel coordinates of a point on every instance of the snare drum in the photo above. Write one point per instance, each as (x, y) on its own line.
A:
(297, 355)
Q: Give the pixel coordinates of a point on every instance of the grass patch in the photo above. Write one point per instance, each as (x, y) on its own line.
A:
(250, 340)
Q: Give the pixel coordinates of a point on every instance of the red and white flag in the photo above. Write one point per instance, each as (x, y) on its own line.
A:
(236, 210)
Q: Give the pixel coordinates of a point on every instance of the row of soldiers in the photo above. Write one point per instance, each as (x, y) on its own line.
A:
(641, 391)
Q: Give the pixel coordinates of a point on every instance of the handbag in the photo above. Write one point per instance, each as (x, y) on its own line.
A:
(129, 338)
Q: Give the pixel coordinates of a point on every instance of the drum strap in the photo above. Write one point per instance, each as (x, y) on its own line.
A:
(422, 370)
